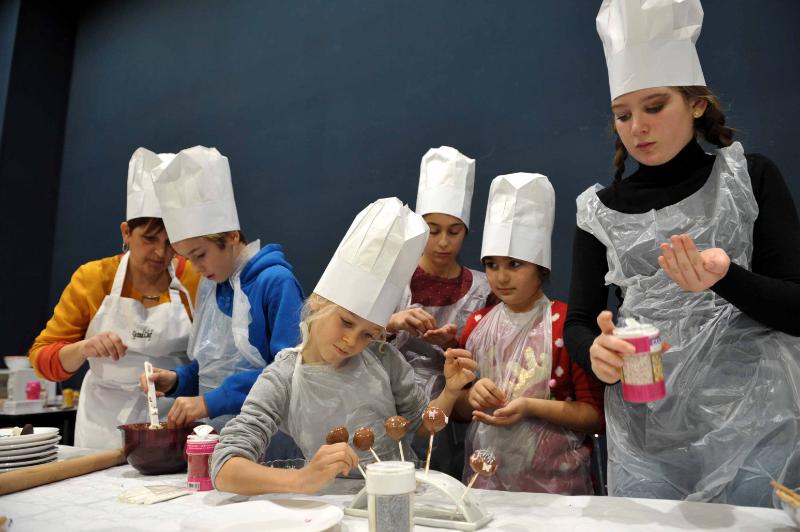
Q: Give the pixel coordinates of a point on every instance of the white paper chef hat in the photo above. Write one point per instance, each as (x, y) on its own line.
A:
(446, 180)
(142, 202)
(519, 218)
(195, 193)
(650, 43)
(375, 260)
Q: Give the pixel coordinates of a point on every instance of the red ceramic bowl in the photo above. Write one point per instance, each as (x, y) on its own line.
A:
(156, 451)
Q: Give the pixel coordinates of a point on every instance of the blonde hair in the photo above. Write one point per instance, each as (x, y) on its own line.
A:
(221, 239)
(315, 307)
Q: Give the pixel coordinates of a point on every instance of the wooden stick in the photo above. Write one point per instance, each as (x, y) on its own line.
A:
(428, 461)
(789, 493)
(38, 475)
(402, 458)
(374, 454)
(362, 470)
(782, 495)
(471, 482)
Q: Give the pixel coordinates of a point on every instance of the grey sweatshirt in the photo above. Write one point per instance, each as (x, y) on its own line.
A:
(266, 408)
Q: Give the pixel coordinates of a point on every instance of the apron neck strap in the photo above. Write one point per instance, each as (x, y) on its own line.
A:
(176, 288)
(119, 277)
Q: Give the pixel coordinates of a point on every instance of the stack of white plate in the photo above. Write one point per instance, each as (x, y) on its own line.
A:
(32, 449)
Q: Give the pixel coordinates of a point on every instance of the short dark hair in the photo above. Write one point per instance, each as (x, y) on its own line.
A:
(151, 225)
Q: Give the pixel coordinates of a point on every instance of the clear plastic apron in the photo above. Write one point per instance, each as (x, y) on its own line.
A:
(220, 343)
(357, 394)
(731, 418)
(110, 394)
(515, 351)
(428, 359)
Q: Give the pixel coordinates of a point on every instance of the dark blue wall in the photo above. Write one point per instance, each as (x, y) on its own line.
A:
(9, 12)
(36, 40)
(324, 106)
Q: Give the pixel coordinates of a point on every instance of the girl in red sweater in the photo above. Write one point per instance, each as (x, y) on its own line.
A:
(531, 406)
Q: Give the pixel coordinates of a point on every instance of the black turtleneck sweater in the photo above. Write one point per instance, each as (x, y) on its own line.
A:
(770, 293)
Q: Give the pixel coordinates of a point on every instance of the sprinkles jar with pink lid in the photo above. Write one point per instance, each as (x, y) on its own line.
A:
(642, 371)
(199, 447)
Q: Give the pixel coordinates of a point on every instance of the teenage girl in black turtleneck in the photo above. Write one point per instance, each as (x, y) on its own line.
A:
(707, 248)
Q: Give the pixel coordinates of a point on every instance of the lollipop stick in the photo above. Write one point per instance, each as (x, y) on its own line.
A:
(471, 482)
(428, 460)
(362, 470)
(374, 454)
(402, 458)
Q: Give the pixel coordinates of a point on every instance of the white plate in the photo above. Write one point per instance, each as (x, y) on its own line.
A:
(17, 462)
(39, 434)
(18, 465)
(281, 515)
(51, 441)
(32, 448)
(48, 449)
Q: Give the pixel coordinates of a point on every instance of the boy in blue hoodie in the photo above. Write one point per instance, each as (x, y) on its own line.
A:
(248, 304)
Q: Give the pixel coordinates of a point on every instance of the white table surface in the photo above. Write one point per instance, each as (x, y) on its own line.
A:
(89, 503)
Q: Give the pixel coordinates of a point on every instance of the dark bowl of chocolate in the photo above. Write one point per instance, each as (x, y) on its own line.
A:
(156, 451)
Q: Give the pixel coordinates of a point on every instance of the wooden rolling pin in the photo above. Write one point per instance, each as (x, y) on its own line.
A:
(39, 475)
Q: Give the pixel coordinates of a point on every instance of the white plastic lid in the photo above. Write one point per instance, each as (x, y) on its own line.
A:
(203, 433)
(634, 329)
(390, 478)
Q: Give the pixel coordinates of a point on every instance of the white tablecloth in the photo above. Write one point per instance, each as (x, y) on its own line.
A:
(89, 503)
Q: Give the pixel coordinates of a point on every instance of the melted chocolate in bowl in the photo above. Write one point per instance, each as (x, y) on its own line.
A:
(156, 451)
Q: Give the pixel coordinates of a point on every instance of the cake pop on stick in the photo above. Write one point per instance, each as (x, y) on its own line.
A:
(337, 435)
(340, 435)
(434, 420)
(396, 427)
(363, 439)
(483, 463)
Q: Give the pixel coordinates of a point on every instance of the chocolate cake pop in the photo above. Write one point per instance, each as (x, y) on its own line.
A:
(396, 428)
(434, 420)
(363, 439)
(337, 435)
(482, 463)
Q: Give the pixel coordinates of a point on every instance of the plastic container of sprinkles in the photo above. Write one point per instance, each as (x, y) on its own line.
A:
(642, 371)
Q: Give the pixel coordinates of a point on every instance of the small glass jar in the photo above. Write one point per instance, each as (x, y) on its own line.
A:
(390, 496)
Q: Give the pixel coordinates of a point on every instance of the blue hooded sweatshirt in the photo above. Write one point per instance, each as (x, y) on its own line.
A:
(275, 300)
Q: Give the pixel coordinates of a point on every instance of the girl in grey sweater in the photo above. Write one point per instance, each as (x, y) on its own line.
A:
(342, 373)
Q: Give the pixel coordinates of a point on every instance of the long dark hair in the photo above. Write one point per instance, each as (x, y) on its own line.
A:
(710, 127)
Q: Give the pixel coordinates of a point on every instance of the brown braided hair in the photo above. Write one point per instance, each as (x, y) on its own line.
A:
(710, 127)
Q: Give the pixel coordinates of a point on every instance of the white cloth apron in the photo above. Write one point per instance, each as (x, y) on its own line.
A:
(515, 351)
(357, 394)
(220, 343)
(428, 359)
(731, 418)
(110, 394)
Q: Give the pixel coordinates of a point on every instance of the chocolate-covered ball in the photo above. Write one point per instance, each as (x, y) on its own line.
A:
(433, 419)
(363, 438)
(483, 462)
(337, 435)
(396, 427)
